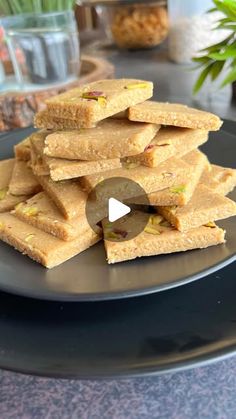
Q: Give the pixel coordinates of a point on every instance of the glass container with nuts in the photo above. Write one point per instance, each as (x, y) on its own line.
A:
(133, 24)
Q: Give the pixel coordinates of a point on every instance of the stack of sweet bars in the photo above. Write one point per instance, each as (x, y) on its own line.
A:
(110, 129)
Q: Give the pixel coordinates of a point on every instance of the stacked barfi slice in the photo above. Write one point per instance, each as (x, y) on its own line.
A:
(110, 129)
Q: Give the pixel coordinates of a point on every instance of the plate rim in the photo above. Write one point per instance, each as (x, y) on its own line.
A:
(203, 360)
(119, 294)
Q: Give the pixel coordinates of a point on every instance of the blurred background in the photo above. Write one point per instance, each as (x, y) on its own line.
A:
(187, 48)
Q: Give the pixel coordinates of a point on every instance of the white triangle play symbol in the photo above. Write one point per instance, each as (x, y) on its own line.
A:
(116, 209)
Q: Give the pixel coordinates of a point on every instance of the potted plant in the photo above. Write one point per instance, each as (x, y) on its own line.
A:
(45, 33)
(221, 56)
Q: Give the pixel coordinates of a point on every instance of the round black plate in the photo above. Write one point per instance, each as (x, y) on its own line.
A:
(89, 277)
(167, 331)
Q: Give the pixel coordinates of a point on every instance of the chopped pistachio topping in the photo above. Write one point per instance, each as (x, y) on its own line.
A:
(155, 219)
(3, 193)
(30, 211)
(99, 96)
(29, 237)
(1, 225)
(167, 174)
(102, 101)
(164, 143)
(165, 223)
(131, 86)
(151, 230)
(132, 165)
(178, 189)
(100, 179)
(210, 224)
(112, 235)
(149, 148)
(18, 206)
(121, 233)
(108, 225)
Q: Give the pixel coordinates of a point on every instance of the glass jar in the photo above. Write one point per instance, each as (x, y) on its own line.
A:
(191, 28)
(43, 47)
(133, 24)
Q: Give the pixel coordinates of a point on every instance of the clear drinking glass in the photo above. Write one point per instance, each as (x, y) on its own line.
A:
(44, 48)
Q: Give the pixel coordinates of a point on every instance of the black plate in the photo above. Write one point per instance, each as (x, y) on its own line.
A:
(89, 277)
(167, 331)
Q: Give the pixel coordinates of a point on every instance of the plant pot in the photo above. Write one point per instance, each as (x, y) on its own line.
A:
(44, 48)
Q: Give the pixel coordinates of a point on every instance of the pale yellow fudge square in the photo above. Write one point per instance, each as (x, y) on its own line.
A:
(22, 150)
(44, 120)
(220, 179)
(96, 101)
(7, 201)
(112, 138)
(158, 238)
(41, 212)
(205, 206)
(67, 195)
(40, 246)
(183, 188)
(150, 179)
(63, 169)
(175, 114)
(170, 142)
(23, 181)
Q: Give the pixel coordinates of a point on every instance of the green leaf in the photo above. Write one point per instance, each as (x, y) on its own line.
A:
(226, 7)
(202, 78)
(213, 9)
(229, 52)
(219, 45)
(203, 59)
(217, 67)
(230, 78)
(225, 26)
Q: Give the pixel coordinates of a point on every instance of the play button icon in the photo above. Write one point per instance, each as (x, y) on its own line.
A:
(110, 202)
(116, 210)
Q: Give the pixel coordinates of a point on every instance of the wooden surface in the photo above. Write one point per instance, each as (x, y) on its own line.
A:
(17, 109)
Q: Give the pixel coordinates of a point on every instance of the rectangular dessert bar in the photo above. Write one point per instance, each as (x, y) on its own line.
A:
(22, 150)
(174, 114)
(158, 238)
(40, 246)
(44, 120)
(220, 179)
(63, 169)
(41, 212)
(170, 142)
(93, 102)
(111, 139)
(7, 201)
(150, 179)
(182, 190)
(68, 196)
(23, 181)
(205, 206)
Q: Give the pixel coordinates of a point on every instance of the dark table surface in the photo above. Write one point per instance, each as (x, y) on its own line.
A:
(206, 392)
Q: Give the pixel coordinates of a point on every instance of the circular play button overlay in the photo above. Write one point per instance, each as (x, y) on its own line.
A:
(120, 206)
